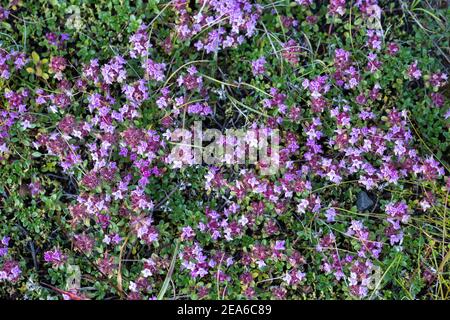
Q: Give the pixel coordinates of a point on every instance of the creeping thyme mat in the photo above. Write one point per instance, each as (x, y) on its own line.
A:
(105, 193)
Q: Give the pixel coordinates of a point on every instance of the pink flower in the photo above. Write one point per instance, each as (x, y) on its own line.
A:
(392, 49)
(57, 66)
(291, 52)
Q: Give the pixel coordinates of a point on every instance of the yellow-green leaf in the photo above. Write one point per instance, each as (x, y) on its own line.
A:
(35, 57)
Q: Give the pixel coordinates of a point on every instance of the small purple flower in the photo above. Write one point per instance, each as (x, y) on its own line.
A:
(392, 49)
(447, 114)
(4, 13)
(35, 188)
(55, 257)
(258, 66)
(304, 2)
(312, 19)
(187, 233)
(291, 52)
(437, 99)
(3, 252)
(336, 7)
(279, 245)
(153, 70)
(114, 71)
(438, 80)
(4, 246)
(199, 108)
(136, 92)
(10, 271)
(116, 239)
(57, 66)
(5, 241)
(140, 43)
(361, 99)
(57, 40)
(414, 72)
(330, 214)
(374, 40)
(20, 59)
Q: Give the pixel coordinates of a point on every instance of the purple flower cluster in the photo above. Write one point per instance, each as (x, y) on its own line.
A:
(317, 88)
(291, 52)
(258, 66)
(346, 74)
(154, 70)
(304, 2)
(140, 43)
(201, 109)
(114, 70)
(337, 134)
(397, 214)
(16, 107)
(192, 80)
(414, 72)
(277, 100)
(239, 18)
(91, 71)
(55, 257)
(9, 269)
(4, 13)
(194, 260)
(4, 246)
(142, 225)
(374, 39)
(438, 80)
(57, 66)
(84, 243)
(336, 7)
(57, 40)
(136, 92)
(11, 61)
